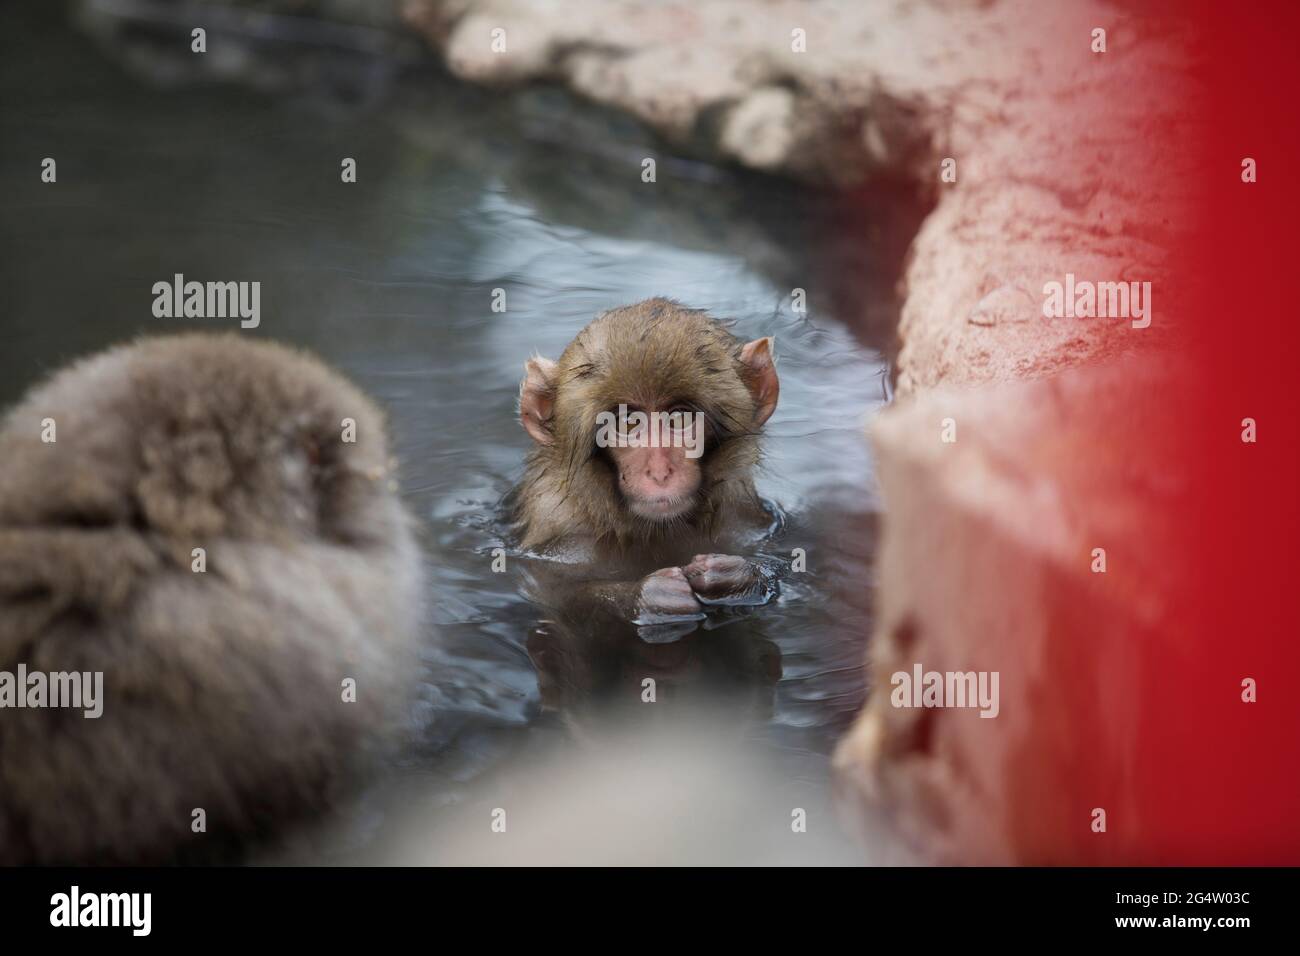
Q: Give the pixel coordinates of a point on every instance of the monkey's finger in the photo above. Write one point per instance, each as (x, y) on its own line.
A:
(667, 573)
(659, 605)
(711, 572)
(714, 562)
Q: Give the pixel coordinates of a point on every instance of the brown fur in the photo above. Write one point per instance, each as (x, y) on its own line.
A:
(654, 350)
(222, 690)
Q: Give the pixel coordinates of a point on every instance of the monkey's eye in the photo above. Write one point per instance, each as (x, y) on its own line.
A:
(632, 422)
(679, 419)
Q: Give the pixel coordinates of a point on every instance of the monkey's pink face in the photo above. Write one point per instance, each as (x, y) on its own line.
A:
(659, 477)
(658, 464)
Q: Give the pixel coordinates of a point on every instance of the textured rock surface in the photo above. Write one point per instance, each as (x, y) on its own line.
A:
(1036, 478)
(871, 90)
(1053, 143)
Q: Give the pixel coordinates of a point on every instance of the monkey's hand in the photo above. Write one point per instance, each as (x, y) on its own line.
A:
(666, 596)
(728, 579)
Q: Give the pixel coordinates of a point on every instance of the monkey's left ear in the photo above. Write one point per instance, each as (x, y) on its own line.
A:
(759, 359)
(537, 399)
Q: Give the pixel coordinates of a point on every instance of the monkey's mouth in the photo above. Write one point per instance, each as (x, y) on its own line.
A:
(662, 507)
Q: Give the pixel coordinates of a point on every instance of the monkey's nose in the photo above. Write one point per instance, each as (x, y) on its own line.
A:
(659, 470)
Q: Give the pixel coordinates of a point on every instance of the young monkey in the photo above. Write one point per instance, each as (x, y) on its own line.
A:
(654, 507)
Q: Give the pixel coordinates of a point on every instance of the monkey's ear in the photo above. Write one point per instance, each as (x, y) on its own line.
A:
(759, 359)
(537, 399)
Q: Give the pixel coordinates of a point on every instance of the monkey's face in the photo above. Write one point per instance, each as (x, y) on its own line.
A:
(656, 455)
(649, 417)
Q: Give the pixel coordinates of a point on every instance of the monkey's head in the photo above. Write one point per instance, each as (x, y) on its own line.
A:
(193, 437)
(649, 418)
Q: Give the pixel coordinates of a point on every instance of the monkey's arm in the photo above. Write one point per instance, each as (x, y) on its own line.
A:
(662, 597)
(659, 598)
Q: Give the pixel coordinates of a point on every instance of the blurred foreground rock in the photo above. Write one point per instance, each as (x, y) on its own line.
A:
(679, 793)
(1039, 475)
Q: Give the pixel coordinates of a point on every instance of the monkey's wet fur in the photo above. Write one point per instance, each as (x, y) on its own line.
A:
(642, 528)
(223, 689)
(653, 352)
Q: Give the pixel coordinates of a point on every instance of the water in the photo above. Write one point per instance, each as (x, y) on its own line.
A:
(391, 279)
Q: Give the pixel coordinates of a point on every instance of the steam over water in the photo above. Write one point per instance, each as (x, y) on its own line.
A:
(391, 279)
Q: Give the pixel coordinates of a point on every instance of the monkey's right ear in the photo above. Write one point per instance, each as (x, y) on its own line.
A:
(759, 360)
(537, 399)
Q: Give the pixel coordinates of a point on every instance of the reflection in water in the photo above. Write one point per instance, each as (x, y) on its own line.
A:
(461, 193)
(607, 674)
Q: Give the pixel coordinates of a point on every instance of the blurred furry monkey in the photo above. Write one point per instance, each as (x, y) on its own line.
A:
(248, 681)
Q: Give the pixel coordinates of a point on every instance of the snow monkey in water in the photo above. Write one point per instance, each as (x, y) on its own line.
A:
(647, 433)
(211, 524)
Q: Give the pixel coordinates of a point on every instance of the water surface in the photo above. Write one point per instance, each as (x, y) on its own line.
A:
(461, 193)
